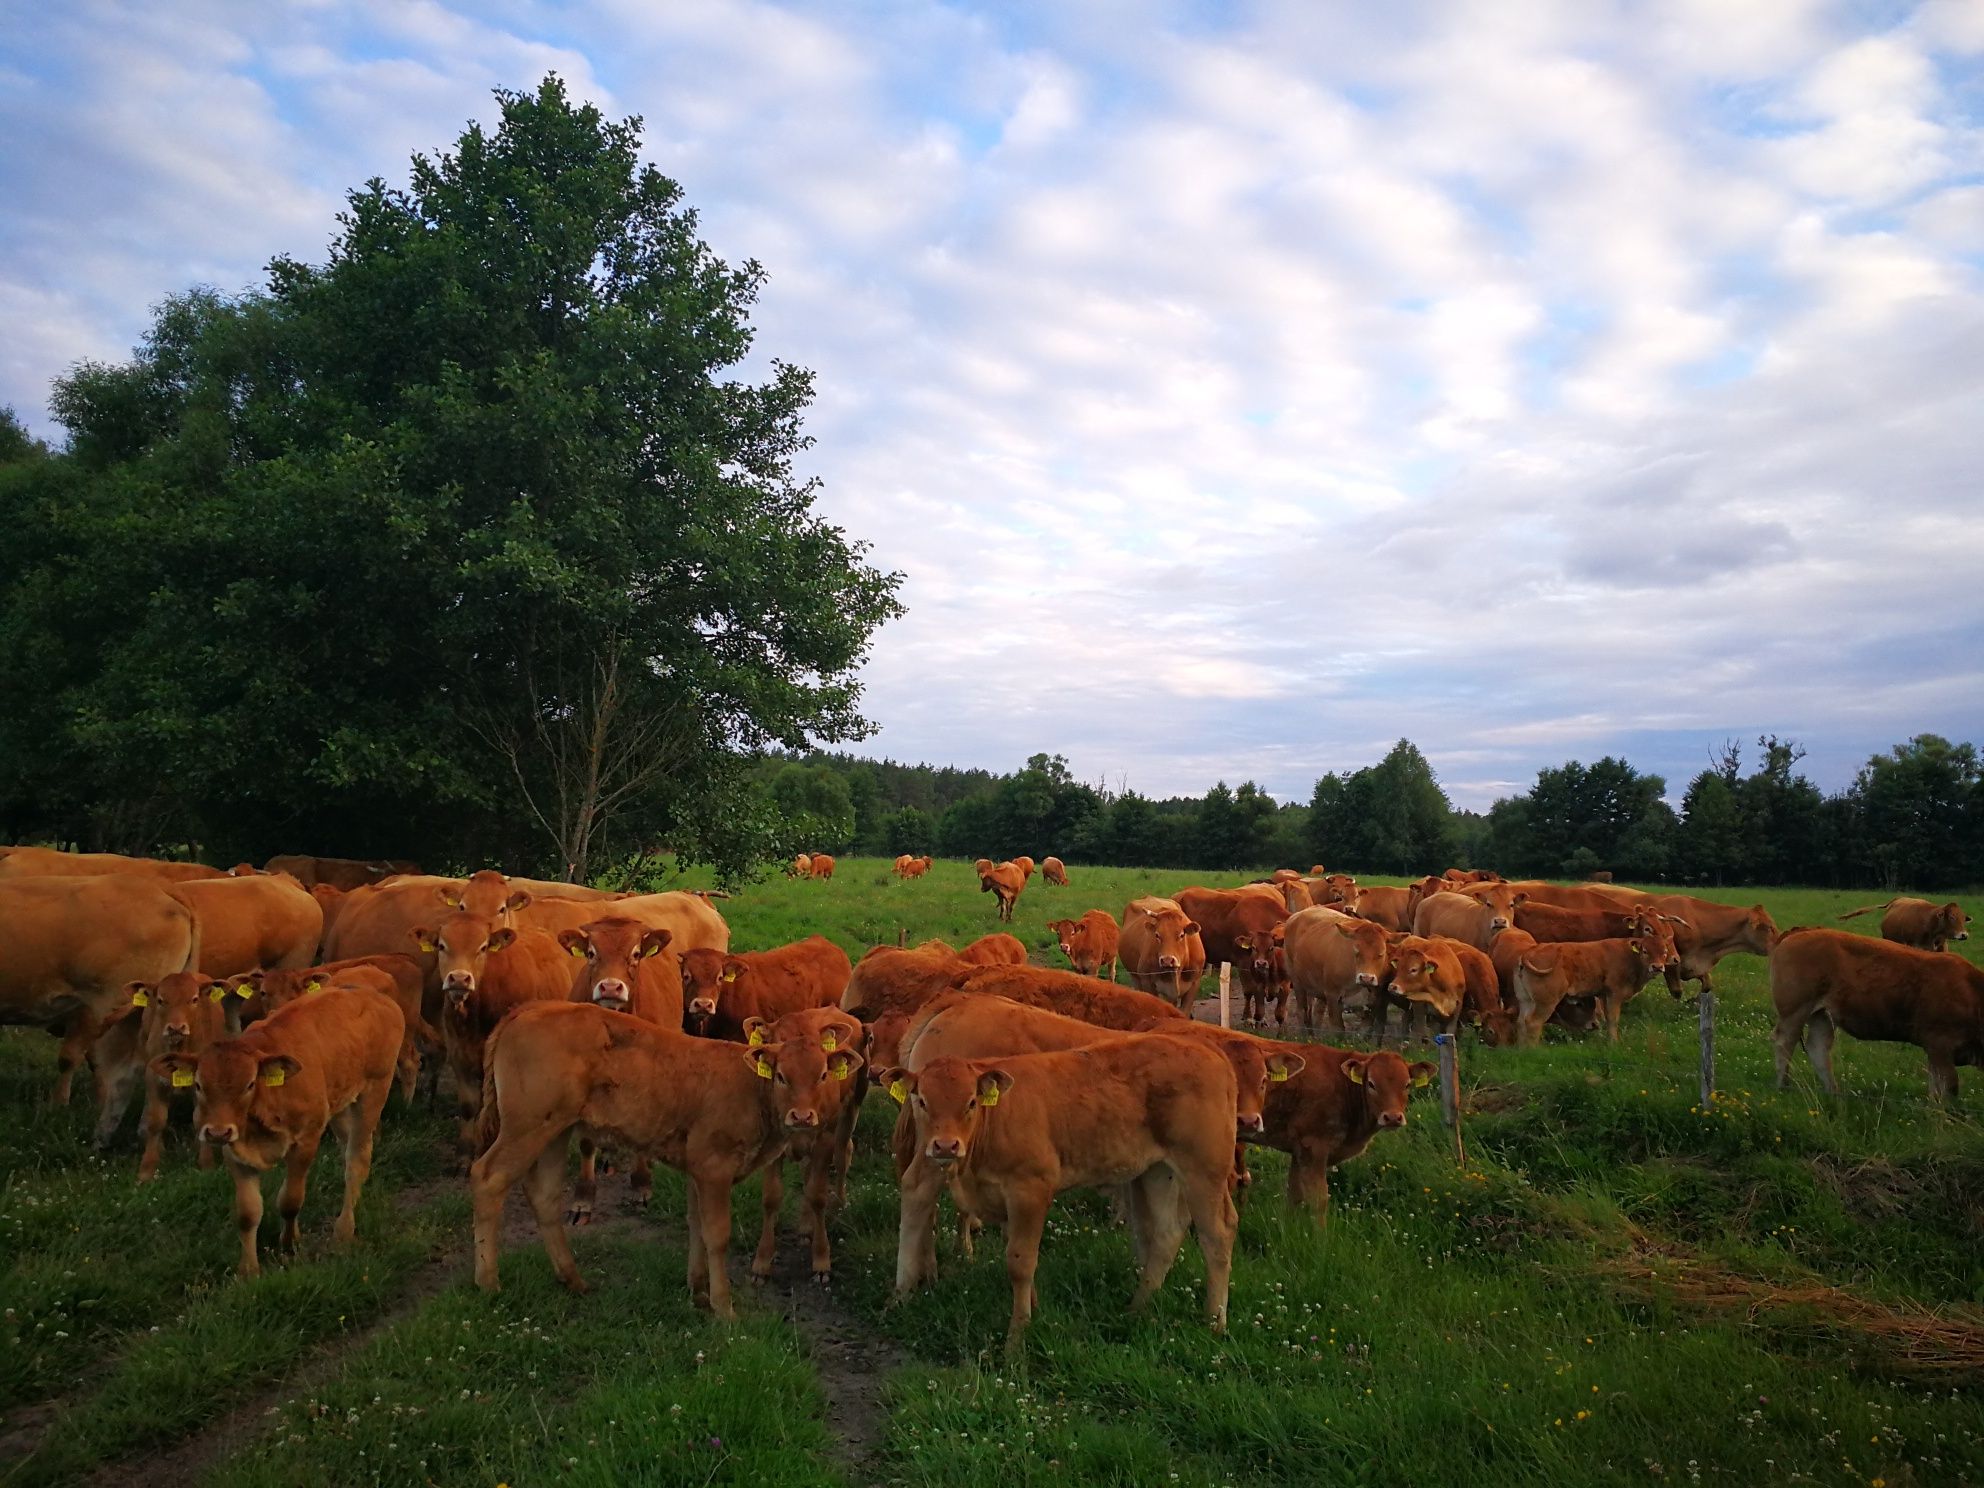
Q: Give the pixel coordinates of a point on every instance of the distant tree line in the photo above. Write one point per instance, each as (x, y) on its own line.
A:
(1913, 817)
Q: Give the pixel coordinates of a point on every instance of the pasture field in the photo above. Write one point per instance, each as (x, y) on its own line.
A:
(1619, 1286)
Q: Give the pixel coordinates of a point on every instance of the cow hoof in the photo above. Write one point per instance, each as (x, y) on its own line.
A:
(576, 1216)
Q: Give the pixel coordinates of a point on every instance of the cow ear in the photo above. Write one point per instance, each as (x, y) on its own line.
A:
(1421, 1074)
(732, 968)
(992, 1084)
(1344, 930)
(450, 897)
(843, 1062)
(1243, 942)
(140, 992)
(757, 1031)
(655, 941)
(898, 1082)
(1285, 1066)
(844, 1034)
(276, 1070)
(1353, 1069)
(500, 937)
(175, 1069)
(425, 939)
(1190, 927)
(1520, 898)
(519, 900)
(763, 1061)
(575, 942)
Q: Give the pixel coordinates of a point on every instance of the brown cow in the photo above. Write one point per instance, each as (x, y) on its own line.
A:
(1381, 905)
(1609, 971)
(70, 948)
(1236, 927)
(690, 920)
(381, 918)
(903, 866)
(1005, 882)
(1054, 871)
(1024, 864)
(802, 865)
(337, 873)
(1093, 1001)
(1472, 875)
(1162, 951)
(996, 949)
(266, 1097)
(268, 920)
(1009, 1134)
(1828, 981)
(1553, 922)
(1481, 998)
(820, 1126)
(1295, 895)
(1426, 975)
(180, 1014)
(255, 994)
(485, 969)
(1089, 943)
(920, 866)
(1329, 1112)
(1705, 932)
(709, 1109)
(822, 865)
(1474, 917)
(1330, 955)
(889, 987)
(48, 862)
(721, 992)
(1919, 924)
(623, 970)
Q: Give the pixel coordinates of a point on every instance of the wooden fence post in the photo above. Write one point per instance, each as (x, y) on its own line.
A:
(1225, 990)
(1708, 1046)
(1450, 1091)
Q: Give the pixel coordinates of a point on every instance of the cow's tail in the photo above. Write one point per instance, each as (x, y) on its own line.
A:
(1864, 909)
(489, 1122)
(192, 962)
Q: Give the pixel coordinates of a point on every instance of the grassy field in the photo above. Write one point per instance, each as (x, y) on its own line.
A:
(1619, 1287)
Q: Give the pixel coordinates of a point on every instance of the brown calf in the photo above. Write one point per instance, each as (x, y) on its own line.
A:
(1162, 950)
(1090, 943)
(1918, 923)
(720, 993)
(1611, 972)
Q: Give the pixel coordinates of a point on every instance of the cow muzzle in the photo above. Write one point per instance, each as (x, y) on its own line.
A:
(1167, 963)
(1500, 922)
(462, 982)
(176, 1035)
(702, 1007)
(802, 1120)
(944, 1150)
(1367, 979)
(1391, 1120)
(1250, 1128)
(611, 995)
(1961, 935)
(219, 1136)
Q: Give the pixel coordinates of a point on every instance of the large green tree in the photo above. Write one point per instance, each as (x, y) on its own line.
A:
(468, 541)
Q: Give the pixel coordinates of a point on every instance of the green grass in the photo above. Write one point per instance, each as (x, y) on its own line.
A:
(1448, 1322)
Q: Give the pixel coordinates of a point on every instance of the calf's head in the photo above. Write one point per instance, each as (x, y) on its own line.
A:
(1952, 922)
(1372, 949)
(707, 976)
(807, 1074)
(226, 1080)
(1422, 974)
(1387, 1082)
(1256, 1071)
(182, 1012)
(462, 946)
(947, 1101)
(613, 950)
(1172, 931)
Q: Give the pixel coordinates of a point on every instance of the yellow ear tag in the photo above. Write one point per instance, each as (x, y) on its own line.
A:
(244, 990)
(1356, 1074)
(755, 1038)
(181, 1079)
(274, 1078)
(577, 953)
(841, 1070)
(216, 994)
(425, 945)
(730, 976)
(1277, 1075)
(315, 984)
(899, 1089)
(764, 1069)
(1420, 1082)
(138, 999)
(990, 1098)
(829, 1041)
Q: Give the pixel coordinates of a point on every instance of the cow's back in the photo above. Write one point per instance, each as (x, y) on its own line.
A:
(267, 920)
(78, 940)
(1101, 1003)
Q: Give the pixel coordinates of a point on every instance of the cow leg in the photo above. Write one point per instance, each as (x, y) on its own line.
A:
(1026, 1220)
(819, 1196)
(771, 1195)
(247, 1214)
(1783, 1039)
(1309, 1181)
(916, 1247)
(1671, 973)
(641, 1181)
(586, 1190)
(1333, 1012)
(544, 1186)
(1161, 1220)
(491, 1177)
(409, 1068)
(357, 1125)
(157, 1113)
(113, 1097)
(1381, 1012)
(699, 1261)
(1818, 1049)
(295, 1180)
(713, 1218)
(1942, 1073)
(1214, 1220)
(76, 1040)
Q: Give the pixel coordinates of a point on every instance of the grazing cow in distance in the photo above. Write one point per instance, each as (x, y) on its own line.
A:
(821, 865)
(1919, 924)
(1824, 982)
(1089, 943)
(1054, 871)
(1004, 881)
(267, 1096)
(1024, 864)
(802, 865)
(1162, 950)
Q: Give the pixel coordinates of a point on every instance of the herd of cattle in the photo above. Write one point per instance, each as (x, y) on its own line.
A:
(286, 1001)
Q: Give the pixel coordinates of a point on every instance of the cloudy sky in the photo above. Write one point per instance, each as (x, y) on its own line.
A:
(1239, 387)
